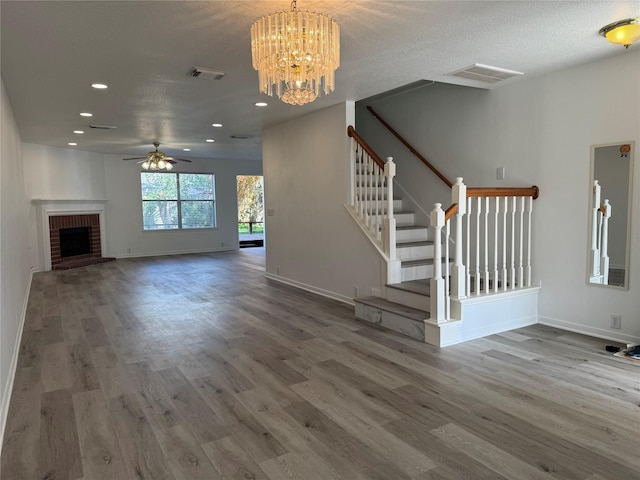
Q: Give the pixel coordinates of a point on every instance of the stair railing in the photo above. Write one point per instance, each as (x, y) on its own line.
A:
(601, 213)
(492, 242)
(428, 164)
(372, 200)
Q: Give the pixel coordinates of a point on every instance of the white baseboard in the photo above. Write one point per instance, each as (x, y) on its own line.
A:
(603, 333)
(174, 252)
(311, 288)
(8, 387)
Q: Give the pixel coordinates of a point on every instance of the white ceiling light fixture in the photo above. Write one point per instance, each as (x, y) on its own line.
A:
(260, 104)
(623, 32)
(79, 132)
(86, 114)
(217, 125)
(296, 54)
(99, 86)
(209, 140)
(72, 144)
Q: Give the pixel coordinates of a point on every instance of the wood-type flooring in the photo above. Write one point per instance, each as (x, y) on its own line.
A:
(198, 367)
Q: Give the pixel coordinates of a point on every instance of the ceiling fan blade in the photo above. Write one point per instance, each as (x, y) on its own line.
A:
(135, 158)
(178, 159)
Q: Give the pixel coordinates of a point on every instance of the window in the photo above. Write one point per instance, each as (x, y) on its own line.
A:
(177, 200)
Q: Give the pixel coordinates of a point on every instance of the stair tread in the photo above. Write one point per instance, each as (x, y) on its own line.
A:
(421, 287)
(416, 263)
(411, 227)
(384, 304)
(423, 243)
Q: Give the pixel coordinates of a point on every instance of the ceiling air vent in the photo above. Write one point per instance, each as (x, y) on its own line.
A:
(241, 136)
(103, 127)
(485, 73)
(208, 73)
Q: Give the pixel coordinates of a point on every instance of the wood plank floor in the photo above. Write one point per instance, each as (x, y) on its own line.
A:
(197, 367)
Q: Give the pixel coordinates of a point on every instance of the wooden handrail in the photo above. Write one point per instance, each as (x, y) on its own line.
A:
(503, 192)
(353, 134)
(411, 149)
(450, 212)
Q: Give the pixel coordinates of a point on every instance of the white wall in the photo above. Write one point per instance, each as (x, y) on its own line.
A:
(540, 130)
(15, 275)
(58, 174)
(123, 215)
(311, 239)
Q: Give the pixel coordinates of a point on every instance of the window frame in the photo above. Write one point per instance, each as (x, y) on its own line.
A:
(178, 200)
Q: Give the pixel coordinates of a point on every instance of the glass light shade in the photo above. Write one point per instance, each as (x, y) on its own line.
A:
(161, 164)
(296, 55)
(168, 166)
(624, 32)
(145, 165)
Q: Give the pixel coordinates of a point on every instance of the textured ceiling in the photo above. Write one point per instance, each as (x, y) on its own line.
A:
(52, 51)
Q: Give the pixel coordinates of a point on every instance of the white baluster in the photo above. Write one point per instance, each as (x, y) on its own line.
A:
(459, 273)
(376, 186)
(604, 248)
(486, 245)
(529, 210)
(505, 278)
(478, 213)
(513, 243)
(521, 238)
(437, 282)
(447, 292)
(468, 247)
(495, 244)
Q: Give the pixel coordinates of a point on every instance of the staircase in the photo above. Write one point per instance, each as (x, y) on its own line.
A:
(406, 305)
(481, 285)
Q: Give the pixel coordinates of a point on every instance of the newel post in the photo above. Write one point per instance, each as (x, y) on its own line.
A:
(390, 221)
(458, 272)
(437, 281)
(595, 253)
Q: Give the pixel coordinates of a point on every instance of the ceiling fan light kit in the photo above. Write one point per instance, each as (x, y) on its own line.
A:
(157, 160)
(623, 32)
(296, 54)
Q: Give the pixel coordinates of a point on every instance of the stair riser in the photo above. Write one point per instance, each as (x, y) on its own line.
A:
(416, 273)
(415, 253)
(382, 206)
(410, 299)
(413, 235)
(405, 219)
(390, 320)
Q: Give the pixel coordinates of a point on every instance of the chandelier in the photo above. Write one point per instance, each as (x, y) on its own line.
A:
(624, 32)
(296, 54)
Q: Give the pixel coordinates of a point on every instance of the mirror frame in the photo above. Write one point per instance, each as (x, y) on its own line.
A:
(632, 154)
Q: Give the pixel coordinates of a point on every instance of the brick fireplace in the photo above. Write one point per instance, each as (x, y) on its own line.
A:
(68, 222)
(81, 223)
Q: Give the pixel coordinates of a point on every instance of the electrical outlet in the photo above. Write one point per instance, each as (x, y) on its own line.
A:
(616, 321)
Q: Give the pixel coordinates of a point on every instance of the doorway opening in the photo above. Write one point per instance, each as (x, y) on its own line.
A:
(250, 210)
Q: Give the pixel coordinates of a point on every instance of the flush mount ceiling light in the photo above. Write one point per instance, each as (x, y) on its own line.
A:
(624, 32)
(296, 54)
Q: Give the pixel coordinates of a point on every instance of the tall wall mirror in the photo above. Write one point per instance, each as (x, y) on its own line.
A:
(609, 235)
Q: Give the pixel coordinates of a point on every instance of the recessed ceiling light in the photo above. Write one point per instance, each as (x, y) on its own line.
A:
(86, 114)
(217, 125)
(186, 149)
(209, 140)
(72, 144)
(261, 104)
(78, 131)
(99, 86)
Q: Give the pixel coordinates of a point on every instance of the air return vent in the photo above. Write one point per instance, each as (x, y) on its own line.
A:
(208, 73)
(485, 73)
(103, 127)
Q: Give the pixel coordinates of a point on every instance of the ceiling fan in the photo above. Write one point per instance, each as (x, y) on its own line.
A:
(157, 160)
